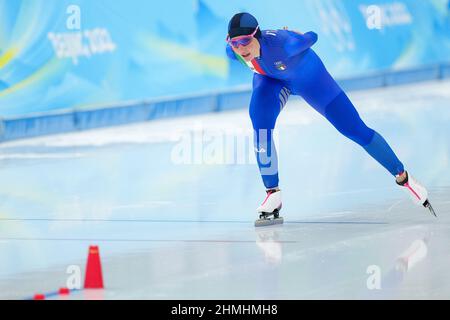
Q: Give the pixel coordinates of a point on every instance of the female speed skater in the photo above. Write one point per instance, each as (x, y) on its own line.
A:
(283, 64)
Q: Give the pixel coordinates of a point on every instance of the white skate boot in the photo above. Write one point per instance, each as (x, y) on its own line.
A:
(416, 191)
(269, 210)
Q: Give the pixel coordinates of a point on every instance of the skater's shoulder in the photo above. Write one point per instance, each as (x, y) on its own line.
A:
(286, 38)
(274, 37)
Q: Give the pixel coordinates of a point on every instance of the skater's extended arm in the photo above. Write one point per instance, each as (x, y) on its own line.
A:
(297, 42)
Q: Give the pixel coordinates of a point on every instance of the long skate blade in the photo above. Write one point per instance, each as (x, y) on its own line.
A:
(268, 222)
(428, 205)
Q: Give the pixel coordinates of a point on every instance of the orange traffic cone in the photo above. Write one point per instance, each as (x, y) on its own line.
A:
(94, 277)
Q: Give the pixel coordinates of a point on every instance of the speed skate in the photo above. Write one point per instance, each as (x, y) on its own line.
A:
(417, 192)
(269, 211)
(269, 219)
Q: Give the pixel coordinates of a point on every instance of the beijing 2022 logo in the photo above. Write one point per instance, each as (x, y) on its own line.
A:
(80, 43)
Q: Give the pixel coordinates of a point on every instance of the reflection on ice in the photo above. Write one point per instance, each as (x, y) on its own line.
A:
(268, 241)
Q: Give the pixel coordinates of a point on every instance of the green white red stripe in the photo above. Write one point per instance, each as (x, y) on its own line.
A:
(253, 65)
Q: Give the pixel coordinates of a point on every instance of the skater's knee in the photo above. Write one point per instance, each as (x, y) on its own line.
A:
(261, 120)
(361, 134)
(365, 137)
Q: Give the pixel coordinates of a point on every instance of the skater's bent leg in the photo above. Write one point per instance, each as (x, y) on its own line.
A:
(268, 98)
(267, 158)
(344, 117)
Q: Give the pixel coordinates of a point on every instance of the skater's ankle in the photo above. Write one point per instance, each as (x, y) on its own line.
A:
(401, 178)
(275, 189)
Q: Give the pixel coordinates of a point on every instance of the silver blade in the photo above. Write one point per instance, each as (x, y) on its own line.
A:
(268, 222)
(428, 205)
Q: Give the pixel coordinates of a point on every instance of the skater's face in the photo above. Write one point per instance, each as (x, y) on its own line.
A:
(246, 46)
(250, 51)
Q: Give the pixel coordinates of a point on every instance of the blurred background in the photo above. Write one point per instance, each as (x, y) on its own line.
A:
(78, 55)
(124, 124)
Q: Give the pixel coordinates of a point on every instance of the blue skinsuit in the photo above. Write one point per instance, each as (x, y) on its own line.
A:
(287, 65)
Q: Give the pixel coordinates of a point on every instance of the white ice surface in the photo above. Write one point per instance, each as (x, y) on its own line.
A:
(185, 231)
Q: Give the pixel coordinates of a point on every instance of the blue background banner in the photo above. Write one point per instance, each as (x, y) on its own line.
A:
(61, 55)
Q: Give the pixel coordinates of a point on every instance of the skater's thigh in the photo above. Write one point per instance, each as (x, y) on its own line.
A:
(268, 99)
(345, 118)
(314, 83)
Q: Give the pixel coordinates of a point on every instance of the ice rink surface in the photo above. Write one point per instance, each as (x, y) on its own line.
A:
(178, 224)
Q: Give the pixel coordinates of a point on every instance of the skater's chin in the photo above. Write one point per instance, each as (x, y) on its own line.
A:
(247, 57)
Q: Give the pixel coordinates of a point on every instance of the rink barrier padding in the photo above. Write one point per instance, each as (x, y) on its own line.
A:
(413, 75)
(78, 119)
(445, 71)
